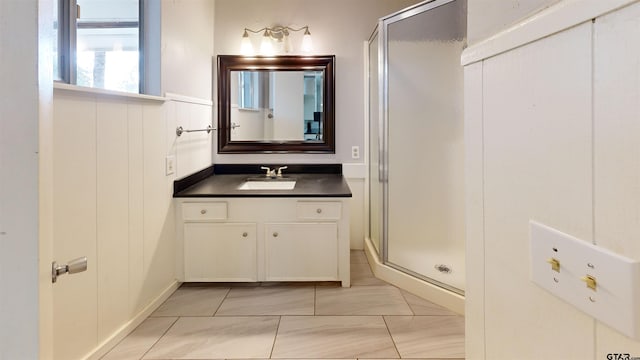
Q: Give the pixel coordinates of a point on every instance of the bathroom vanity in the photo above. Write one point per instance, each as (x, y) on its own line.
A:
(227, 234)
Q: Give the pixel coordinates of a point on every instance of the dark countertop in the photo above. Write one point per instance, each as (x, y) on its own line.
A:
(221, 181)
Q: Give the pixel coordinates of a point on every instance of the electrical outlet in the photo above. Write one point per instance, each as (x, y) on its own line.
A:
(597, 281)
(170, 165)
(355, 152)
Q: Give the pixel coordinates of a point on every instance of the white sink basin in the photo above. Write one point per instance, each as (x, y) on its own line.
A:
(267, 185)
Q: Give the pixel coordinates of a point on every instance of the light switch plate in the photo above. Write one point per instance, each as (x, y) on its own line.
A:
(617, 292)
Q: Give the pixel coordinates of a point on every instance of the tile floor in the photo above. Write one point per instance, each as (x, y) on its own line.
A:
(370, 320)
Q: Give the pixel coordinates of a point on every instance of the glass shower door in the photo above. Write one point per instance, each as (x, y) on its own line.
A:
(375, 165)
(425, 142)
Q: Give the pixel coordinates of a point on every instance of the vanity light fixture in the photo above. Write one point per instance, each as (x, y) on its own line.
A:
(277, 34)
(245, 46)
(307, 43)
(266, 48)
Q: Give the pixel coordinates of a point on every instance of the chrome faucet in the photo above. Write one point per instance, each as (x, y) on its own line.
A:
(277, 172)
(270, 173)
(280, 170)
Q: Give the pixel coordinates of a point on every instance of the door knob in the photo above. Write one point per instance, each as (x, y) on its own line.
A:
(74, 266)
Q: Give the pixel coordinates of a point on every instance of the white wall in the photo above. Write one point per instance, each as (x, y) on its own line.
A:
(487, 17)
(112, 203)
(24, 65)
(187, 47)
(252, 124)
(552, 135)
(192, 150)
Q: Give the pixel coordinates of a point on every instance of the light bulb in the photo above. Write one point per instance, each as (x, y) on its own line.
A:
(245, 45)
(279, 45)
(307, 43)
(287, 41)
(266, 48)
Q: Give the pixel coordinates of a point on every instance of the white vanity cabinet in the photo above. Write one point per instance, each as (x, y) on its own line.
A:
(248, 239)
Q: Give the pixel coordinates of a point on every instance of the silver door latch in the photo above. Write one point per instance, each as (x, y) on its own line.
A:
(74, 266)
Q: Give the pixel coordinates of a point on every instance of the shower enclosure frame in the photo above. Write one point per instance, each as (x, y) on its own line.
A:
(382, 32)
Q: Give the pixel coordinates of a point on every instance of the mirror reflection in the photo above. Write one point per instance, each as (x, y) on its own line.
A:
(268, 105)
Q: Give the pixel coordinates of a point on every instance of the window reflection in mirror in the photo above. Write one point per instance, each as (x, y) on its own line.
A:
(276, 105)
(249, 90)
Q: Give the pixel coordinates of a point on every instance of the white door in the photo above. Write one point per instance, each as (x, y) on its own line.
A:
(288, 105)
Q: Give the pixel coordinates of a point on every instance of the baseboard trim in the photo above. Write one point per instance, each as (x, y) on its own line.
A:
(127, 328)
(435, 294)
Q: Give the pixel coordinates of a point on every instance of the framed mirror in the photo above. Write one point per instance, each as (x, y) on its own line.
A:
(276, 104)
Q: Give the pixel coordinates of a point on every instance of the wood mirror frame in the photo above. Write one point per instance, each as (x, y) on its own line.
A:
(228, 63)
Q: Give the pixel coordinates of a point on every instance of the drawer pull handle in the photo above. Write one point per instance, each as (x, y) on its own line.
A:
(245, 234)
(275, 234)
(319, 211)
(203, 211)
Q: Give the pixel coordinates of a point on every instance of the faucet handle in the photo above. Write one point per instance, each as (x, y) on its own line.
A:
(269, 171)
(280, 170)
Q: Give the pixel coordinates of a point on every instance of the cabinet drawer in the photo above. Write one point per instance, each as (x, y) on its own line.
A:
(319, 210)
(204, 211)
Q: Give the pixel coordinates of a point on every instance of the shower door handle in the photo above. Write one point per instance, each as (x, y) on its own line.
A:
(74, 266)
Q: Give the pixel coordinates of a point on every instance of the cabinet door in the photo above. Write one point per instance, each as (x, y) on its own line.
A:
(301, 252)
(220, 252)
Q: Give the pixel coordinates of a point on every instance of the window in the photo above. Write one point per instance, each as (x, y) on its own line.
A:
(249, 86)
(100, 44)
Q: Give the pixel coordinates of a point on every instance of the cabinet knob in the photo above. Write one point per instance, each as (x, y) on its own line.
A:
(203, 211)
(319, 210)
(275, 234)
(245, 234)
